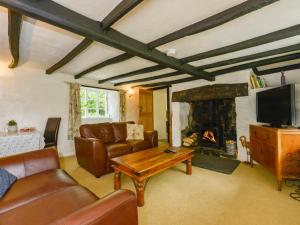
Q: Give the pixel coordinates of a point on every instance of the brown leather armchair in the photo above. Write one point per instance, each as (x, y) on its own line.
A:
(45, 194)
(101, 142)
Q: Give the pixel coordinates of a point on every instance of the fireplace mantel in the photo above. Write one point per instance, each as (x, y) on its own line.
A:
(209, 92)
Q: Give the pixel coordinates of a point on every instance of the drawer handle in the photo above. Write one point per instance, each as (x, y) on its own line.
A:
(268, 136)
(255, 133)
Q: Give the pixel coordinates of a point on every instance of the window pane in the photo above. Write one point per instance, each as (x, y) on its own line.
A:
(93, 103)
(91, 113)
(91, 99)
(102, 103)
(101, 112)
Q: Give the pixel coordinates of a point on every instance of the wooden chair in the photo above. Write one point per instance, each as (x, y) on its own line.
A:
(246, 145)
(51, 132)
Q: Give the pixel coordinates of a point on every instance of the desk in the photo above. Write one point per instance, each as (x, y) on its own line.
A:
(14, 143)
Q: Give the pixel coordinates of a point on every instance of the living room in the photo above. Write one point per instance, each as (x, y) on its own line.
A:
(196, 83)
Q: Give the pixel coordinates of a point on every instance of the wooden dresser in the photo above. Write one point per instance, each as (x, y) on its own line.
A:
(273, 147)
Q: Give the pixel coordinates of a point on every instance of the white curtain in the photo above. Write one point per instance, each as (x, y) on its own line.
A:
(74, 111)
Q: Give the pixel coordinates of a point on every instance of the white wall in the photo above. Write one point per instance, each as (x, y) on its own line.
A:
(159, 112)
(132, 106)
(245, 106)
(30, 97)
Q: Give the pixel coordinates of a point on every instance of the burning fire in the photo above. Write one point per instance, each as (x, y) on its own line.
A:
(209, 136)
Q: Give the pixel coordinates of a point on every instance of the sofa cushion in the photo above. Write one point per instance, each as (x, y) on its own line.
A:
(50, 207)
(135, 132)
(88, 131)
(101, 131)
(118, 149)
(33, 187)
(120, 131)
(6, 181)
(138, 145)
(106, 133)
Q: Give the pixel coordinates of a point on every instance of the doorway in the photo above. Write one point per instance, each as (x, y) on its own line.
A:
(146, 109)
(161, 114)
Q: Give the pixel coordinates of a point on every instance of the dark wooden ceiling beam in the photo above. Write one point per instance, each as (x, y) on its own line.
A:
(111, 61)
(172, 74)
(60, 16)
(264, 39)
(158, 88)
(263, 62)
(254, 69)
(84, 44)
(108, 62)
(14, 34)
(118, 12)
(213, 21)
(287, 49)
(132, 73)
(259, 55)
(278, 69)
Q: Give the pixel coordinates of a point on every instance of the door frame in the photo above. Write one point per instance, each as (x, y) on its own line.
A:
(168, 114)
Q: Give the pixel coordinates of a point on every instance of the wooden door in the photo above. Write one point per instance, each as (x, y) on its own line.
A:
(146, 109)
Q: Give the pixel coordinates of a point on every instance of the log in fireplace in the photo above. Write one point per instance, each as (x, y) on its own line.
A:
(210, 137)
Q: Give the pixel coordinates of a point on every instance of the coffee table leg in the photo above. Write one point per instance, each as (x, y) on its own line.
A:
(189, 166)
(140, 190)
(117, 182)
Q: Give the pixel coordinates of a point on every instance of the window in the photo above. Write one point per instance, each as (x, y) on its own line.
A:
(93, 103)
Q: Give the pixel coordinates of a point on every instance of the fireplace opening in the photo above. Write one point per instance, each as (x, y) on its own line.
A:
(210, 137)
(211, 124)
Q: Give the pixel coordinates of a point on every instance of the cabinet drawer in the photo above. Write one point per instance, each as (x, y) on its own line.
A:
(264, 134)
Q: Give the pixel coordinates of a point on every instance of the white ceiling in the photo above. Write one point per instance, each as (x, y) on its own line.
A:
(42, 45)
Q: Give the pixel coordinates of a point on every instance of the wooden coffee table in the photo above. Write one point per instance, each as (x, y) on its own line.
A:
(140, 166)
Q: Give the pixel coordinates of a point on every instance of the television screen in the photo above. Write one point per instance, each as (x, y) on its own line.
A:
(276, 106)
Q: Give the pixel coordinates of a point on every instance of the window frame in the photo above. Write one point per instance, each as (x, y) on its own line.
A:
(97, 91)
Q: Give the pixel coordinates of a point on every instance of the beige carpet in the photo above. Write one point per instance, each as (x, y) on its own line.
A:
(246, 197)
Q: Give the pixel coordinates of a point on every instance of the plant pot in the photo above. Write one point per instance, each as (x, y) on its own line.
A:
(12, 129)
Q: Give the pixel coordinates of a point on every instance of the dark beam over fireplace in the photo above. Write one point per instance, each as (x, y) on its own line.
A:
(209, 92)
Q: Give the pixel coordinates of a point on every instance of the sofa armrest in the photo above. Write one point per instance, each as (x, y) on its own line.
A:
(91, 155)
(29, 163)
(118, 208)
(152, 137)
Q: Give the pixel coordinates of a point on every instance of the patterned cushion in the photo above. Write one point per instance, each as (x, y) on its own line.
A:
(135, 132)
(6, 181)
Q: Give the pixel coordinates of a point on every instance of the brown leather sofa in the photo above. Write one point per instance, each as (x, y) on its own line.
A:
(101, 142)
(45, 194)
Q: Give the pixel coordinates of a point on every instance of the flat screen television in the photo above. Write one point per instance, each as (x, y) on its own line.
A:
(276, 106)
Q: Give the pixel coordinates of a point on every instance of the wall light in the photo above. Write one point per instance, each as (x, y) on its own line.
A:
(130, 92)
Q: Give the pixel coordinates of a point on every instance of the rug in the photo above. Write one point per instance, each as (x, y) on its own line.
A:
(218, 164)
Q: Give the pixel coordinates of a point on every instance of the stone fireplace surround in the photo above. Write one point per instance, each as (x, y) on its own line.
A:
(212, 108)
(216, 116)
